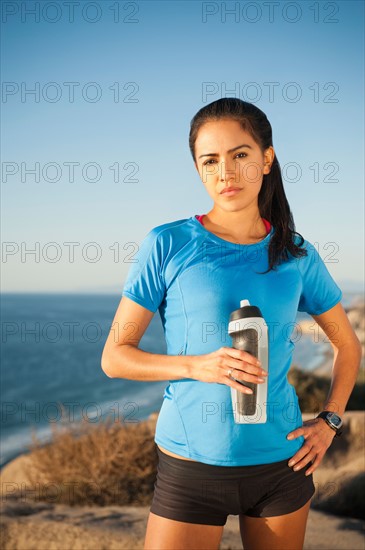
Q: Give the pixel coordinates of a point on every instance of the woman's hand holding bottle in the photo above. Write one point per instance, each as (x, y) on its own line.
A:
(216, 366)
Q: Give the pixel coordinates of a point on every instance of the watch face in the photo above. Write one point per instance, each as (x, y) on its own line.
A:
(335, 420)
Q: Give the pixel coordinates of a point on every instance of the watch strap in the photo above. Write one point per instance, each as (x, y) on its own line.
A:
(323, 415)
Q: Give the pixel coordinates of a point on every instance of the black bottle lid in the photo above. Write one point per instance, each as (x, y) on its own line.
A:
(245, 311)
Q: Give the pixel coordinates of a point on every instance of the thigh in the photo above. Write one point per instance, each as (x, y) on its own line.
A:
(285, 532)
(169, 534)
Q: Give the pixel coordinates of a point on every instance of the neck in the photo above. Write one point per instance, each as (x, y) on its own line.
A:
(241, 224)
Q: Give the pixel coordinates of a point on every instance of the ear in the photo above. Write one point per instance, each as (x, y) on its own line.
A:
(269, 156)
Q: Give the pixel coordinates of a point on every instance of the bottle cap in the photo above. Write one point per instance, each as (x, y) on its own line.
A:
(246, 310)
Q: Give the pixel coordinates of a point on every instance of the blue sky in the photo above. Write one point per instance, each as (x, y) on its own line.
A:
(167, 60)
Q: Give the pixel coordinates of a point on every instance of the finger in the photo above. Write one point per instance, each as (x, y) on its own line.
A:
(243, 355)
(308, 458)
(249, 368)
(314, 466)
(238, 386)
(245, 377)
(303, 451)
(242, 366)
(295, 433)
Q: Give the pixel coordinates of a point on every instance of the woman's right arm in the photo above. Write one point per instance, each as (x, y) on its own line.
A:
(121, 357)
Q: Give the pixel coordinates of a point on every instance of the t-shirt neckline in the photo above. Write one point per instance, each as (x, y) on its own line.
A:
(230, 244)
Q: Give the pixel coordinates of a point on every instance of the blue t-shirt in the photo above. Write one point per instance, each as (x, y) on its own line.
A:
(196, 279)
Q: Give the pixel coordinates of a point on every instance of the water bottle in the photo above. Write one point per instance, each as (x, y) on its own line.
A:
(249, 332)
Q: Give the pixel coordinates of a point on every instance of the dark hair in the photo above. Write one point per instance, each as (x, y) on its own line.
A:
(272, 202)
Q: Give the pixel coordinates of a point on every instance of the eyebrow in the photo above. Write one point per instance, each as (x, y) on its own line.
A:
(229, 151)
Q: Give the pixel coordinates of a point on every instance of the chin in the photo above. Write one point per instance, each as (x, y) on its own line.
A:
(231, 207)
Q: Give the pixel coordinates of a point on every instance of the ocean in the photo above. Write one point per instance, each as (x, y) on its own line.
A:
(51, 365)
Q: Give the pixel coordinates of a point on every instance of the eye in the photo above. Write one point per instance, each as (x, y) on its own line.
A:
(212, 160)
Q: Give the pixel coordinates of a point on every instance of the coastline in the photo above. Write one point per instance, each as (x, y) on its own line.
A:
(356, 314)
(33, 524)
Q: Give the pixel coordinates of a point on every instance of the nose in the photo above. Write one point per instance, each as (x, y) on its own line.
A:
(228, 172)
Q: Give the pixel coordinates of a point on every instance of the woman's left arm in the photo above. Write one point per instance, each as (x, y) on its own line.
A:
(347, 356)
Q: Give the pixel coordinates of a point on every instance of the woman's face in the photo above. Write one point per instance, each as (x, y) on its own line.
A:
(227, 157)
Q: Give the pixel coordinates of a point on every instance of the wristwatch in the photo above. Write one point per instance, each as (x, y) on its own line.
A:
(333, 420)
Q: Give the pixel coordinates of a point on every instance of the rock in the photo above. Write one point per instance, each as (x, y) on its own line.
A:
(340, 478)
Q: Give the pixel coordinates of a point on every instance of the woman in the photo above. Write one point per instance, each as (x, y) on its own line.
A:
(195, 271)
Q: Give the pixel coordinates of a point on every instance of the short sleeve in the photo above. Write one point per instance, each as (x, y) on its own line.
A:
(144, 283)
(319, 291)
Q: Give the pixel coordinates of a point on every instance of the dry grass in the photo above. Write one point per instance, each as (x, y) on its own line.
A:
(116, 463)
(103, 464)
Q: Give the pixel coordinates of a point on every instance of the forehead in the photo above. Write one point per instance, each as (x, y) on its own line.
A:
(222, 133)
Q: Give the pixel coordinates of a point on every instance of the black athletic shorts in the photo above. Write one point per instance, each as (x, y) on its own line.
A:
(196, 492)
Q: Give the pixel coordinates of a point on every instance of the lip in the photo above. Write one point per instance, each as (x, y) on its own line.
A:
(230, 192)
